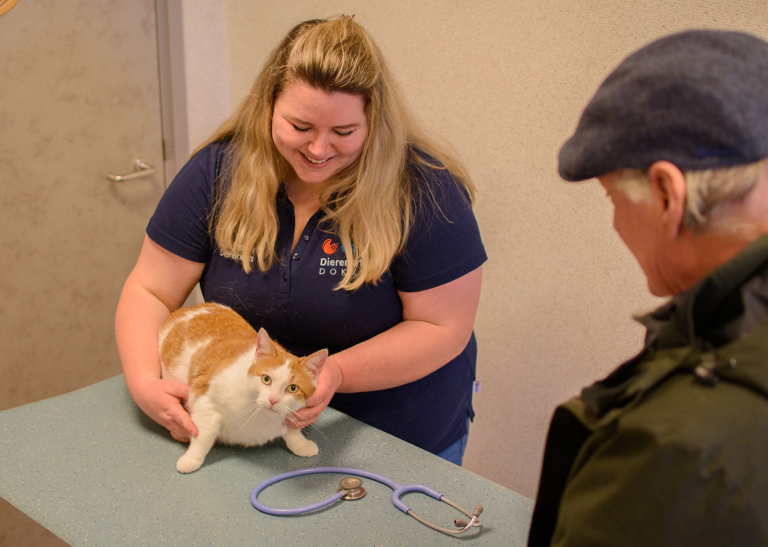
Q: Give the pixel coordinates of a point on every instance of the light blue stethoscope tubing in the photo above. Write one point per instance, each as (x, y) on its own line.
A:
(398, 490)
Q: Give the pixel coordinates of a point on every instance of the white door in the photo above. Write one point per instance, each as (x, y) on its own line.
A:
(79, 98)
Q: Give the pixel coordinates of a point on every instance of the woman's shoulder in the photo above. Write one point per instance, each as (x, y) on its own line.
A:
(423, 165)
(212, 153)
(205, 165)
(180, 223)
(431, 179)
(443, 241)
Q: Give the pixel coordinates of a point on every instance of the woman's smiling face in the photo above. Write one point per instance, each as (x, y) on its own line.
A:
(318, 133)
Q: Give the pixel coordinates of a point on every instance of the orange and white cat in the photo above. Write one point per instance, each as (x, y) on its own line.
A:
(243, 385)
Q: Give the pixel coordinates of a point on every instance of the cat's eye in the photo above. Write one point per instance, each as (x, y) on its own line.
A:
(293, 388)
(266, 379)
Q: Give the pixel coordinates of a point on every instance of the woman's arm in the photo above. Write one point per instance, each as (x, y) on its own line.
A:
(436, 327)
(158, 285)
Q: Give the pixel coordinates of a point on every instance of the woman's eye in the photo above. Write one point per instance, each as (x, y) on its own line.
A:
(347, 134)
(293, 388)
(297, 128)
(266, 379)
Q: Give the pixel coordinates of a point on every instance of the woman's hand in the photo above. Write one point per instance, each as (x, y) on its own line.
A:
(161, 401)
(328, 382)
(159, 283)
(437, 324)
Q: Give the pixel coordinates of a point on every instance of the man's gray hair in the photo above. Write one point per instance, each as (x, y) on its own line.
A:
(708, 192)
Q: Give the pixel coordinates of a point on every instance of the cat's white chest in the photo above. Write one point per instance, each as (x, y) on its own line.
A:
(243, 420)
(253, 428)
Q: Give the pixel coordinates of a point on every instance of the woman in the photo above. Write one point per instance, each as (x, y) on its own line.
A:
(320, 212)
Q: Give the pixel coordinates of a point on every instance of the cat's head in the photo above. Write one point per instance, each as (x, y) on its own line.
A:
(283, 381)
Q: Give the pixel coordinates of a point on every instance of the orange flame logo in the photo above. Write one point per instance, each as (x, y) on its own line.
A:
(330, 247)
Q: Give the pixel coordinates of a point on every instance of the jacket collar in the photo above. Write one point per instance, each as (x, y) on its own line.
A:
(673, 332)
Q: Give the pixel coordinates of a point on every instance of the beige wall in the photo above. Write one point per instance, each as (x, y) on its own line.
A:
(200, 88)
(505, 82)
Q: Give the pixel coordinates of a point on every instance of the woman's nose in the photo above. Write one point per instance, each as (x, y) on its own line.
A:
(319, 146)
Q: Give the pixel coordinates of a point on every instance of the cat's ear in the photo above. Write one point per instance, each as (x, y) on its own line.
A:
(264, 344)
(314, 363)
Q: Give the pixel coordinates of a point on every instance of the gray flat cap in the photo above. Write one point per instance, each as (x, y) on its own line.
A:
(698, 99)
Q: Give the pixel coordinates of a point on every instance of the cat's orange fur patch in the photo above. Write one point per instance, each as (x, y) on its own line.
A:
(235, 337)
(301, 378)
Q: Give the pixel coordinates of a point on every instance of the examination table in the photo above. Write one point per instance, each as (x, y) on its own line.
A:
(93, 469)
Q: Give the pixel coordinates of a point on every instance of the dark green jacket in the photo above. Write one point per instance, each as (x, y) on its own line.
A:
(672, 447)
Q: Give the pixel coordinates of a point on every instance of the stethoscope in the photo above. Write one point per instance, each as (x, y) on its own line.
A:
(350, 488)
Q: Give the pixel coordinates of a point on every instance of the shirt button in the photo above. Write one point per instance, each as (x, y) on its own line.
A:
(306, 238)
(296, 256)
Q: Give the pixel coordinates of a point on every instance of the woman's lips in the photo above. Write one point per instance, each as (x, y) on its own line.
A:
(314, 161)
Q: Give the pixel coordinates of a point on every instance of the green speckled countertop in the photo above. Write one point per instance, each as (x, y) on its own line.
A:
(93, 469)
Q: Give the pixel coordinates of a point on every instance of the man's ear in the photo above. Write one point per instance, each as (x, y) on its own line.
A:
(668, 187)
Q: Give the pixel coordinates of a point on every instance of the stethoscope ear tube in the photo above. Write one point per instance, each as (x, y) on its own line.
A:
(403, 489)
(461, 524)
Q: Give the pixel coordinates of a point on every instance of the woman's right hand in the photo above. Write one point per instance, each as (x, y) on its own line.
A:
(158, 284)
(161, 401)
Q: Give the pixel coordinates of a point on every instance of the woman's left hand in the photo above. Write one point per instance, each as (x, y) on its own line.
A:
(328, 382)
(436, 327)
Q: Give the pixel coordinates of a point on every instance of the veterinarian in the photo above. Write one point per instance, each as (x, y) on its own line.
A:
(671, 448)
(321, 212)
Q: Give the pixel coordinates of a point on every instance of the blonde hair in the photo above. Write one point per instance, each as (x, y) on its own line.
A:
(369, 203)
(708, 192)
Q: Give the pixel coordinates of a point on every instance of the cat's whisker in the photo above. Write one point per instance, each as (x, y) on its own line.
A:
(314, 429)
(246, 410)
(255, 410)
(311, 427)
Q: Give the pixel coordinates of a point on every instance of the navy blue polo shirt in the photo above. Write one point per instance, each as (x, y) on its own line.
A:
(296, 303)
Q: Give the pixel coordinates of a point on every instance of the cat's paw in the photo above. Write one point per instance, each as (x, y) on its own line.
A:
(305, 449)
(187, 464)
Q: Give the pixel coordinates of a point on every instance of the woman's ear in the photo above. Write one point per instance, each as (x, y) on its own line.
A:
(668, 188)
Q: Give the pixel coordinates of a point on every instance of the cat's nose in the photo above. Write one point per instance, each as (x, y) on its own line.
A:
(273, 400)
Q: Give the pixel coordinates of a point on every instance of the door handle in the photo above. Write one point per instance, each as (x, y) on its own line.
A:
(141, 169)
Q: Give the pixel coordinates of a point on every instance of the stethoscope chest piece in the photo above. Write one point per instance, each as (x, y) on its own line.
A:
(353, 487)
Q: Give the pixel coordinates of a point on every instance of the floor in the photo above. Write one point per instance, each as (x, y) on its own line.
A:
(18, 530)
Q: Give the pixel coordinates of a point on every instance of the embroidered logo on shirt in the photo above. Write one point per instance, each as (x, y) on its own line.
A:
(232, 256)
(331, 266)
(329, 247)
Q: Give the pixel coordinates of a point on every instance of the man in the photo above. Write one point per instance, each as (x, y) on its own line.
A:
(672, 447)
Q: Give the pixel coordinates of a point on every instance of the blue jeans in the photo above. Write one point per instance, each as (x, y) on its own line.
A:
(455, 452)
